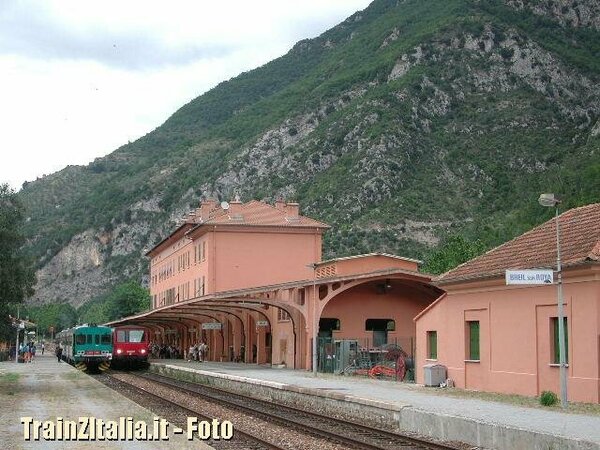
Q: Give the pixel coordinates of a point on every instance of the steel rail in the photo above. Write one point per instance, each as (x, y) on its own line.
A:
(309, 422)
(248, 441)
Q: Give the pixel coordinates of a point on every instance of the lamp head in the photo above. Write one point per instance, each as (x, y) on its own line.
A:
(548, 200)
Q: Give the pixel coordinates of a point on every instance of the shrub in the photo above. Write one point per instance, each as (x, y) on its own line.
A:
(548, 398)
(507, 53)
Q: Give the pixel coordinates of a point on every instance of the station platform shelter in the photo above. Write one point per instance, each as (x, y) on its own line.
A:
(368, 300)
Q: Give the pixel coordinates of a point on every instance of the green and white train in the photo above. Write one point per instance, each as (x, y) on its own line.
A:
(87, 347)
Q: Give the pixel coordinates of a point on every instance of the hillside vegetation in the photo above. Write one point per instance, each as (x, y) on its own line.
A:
(408, 123)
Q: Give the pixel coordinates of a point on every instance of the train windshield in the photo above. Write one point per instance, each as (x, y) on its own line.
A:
(135, 336)
(80, 339)
(105, 339)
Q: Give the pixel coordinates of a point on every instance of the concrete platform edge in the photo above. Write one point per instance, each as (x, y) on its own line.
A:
(401, 417)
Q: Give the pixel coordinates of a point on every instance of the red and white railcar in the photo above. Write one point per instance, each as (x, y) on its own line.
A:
(130, 346)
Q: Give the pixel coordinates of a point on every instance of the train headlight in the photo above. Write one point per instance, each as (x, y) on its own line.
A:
(119, 351)
(143, 351)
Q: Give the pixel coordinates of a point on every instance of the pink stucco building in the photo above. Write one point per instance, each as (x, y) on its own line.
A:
(245, 245)
(499, 338)
(248, 279)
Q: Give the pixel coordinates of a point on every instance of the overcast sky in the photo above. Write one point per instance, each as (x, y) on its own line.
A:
(81, 78)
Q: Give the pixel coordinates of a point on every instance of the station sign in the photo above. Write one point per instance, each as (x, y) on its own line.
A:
(211, 326)
(262, 323)
(540, 276)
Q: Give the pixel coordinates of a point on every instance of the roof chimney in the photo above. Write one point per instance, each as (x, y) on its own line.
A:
(206, 206)
(292, 209)
(280, 204)
(235, 206)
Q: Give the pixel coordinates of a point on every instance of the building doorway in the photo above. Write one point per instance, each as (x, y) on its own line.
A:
(380, 328)
(327, 326)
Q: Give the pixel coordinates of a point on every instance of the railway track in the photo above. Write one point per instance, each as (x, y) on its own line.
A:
(177, 414)
(350, 434)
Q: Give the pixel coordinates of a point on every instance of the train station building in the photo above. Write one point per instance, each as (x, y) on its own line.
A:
(248, 279)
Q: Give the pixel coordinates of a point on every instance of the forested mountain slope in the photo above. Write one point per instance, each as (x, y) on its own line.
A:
(409, 121)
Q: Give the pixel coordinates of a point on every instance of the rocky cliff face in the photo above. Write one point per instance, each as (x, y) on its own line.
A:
(75, 274)
(409, 121)
(569, 13)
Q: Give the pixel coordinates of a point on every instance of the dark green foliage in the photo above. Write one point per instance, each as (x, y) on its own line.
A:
(59, 316)
(16, 274)
(127, 299)
(548, 398)
(94, 311)
(579, 46)
(507, 53)
(454, 250)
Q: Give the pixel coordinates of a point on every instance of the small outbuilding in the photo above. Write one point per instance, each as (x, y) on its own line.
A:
(504, 338)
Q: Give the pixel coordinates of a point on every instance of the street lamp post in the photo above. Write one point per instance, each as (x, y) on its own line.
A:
(315, 326)
(20, 326)
(550, 200)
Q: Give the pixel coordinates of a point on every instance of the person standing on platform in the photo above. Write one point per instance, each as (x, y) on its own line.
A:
(59, 351)
(33, 350)
(22, 352)
(43, 347)
(202, 351)
(27, 353)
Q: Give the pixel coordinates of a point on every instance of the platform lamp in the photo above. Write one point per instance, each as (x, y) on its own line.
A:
(550, 200)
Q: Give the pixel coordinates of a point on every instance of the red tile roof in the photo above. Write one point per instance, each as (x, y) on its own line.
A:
(258, 213)
(579, 242)
(253, 213)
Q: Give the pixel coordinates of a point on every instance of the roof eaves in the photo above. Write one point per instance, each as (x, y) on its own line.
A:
(566, 215)
(430, 306)
(245, 224)
(364, 255)
(168, 237)
(500, 273)
(594, 255)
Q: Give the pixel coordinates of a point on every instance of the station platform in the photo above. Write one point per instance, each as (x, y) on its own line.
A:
(401, 406)
(46, 390)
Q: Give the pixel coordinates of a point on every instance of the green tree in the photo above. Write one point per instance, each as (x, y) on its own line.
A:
(454, 251)
(16, 273)
(127, 299)
(94, 311)
(58, 315)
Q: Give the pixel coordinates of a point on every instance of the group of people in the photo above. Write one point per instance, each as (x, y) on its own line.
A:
(197, 352)
(27, 351)
(163, 351)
